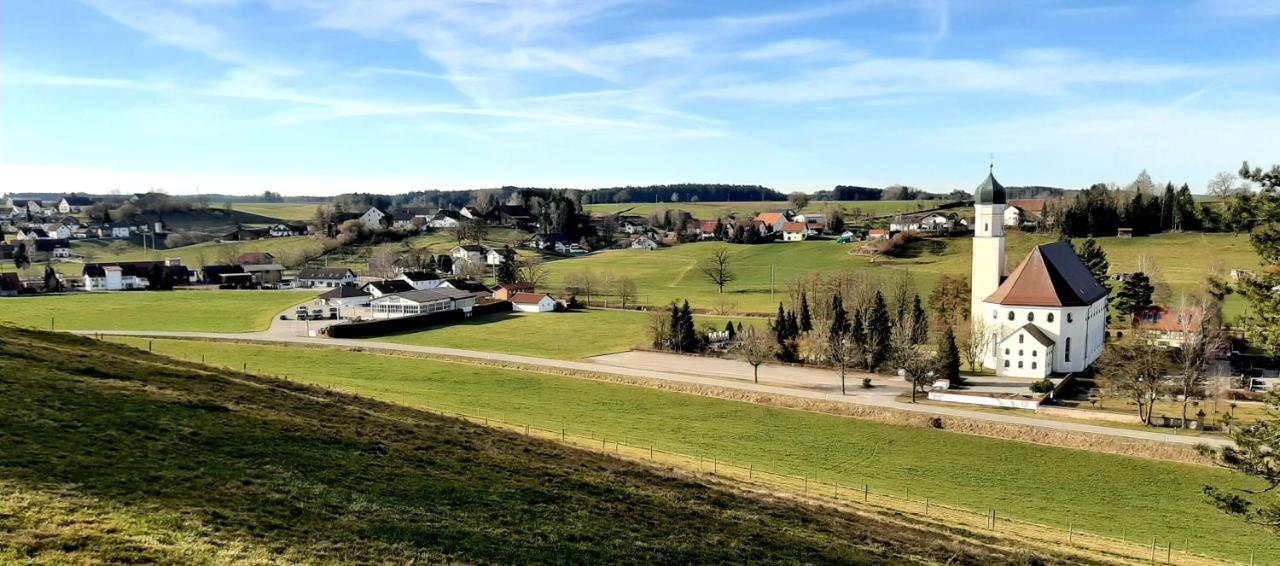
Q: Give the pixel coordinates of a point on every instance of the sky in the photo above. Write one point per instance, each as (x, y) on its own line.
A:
(322, 97)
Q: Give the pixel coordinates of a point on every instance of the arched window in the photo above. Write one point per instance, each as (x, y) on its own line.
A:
(1020, 352)
(1033, 365)
(1031, 317)
(1006, 363)
(1010, 315)
(1035, 353)
(994, 314)
(1068, 352)
(1019, 365)
(1068, 317)
(1049, 317)
(1006, 351)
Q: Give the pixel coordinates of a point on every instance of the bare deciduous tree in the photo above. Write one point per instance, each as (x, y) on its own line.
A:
(974, 340)
(625, 288)
(1135, 370)
(757, 348)
(533, 271)
(717, 269)
(1202, 339)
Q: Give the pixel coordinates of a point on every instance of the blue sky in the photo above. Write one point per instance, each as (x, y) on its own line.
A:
(320, 97)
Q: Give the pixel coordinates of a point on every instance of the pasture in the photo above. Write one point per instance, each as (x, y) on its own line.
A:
(708, 210)
(1119, 496)
(113, 456)
(672, 273)
(286, 250)
(287, 211)
(194, 311)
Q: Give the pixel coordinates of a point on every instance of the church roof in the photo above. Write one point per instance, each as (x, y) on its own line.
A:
(1052, 275)
(990, 191)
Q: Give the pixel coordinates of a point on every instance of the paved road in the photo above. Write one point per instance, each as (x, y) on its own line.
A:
(877, 397)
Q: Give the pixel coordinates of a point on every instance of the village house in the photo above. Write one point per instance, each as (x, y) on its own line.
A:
(427, 301)
(1164, 326)
(470, 213)
(445, 219)
(477, 290)
(265, 273)
(794, 232)
(926, 223)
(74, 204)
(115, 277)
(346, 296)
(284, 230)
(10, 284)
(213, 274)
(512, 216)
(325, 277)
(632, 226)
(707, 229)
(376, 218)
(772, 221)
(31, 233)
(1024, 212)
(468, 253)
(532, 302)
(505, 291)
(421, 279)
(643, 243)
(51, 248)
(246, 235)
(251, 258)
(877, 234)
(377, 289)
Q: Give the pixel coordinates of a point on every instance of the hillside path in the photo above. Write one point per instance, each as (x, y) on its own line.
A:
(795, 382)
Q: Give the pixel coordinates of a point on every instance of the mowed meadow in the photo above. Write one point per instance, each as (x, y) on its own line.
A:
(708, 210)
(190, 311)
(673, 273)
(1112, 495)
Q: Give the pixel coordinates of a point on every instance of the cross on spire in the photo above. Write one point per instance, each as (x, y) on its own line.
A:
(991, 163)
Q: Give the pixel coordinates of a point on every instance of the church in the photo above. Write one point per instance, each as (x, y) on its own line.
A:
(1048, 316)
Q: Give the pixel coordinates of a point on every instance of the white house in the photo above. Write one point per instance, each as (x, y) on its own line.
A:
(112, 278)
(284, 230)
(326, 277)
(376, 218)
(930, 222)
(420, 280)
(377, 289)
(475, 253)
(494, 257)
(74, 204)
(1049, 315)
(1024, 211)
(794, 232)
(426, 301)
(445, 219)
(532, 302)
(643, 243)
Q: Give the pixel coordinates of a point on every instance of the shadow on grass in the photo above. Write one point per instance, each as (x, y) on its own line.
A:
(304, 474)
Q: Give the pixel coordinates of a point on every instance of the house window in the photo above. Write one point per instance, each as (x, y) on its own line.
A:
(1068, 318)
(1020, 352)
(1021, 337)
(1035, 353)
(994, 314)
(1019, 365)
(986, 227)
(1068, 351)
(1006, 351)
(1006, 363)
(1031, 317)
(1033, 365)
(1010, 315)
(1049, 317)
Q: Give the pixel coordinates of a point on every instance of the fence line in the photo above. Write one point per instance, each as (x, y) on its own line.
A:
(991, 520)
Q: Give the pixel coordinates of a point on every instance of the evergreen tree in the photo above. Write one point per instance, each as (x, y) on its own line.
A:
(858, 333)
(947, 361)
(839, 318)
(689, 340)
(1134, 294)
(900, 312)
(806, 321)
(51, 282)
(1166, 208)
(675, 327)
(919, 324)
(445, 263)
(1262, 325)
(780, 326)
(728, 329)
(879, 333)
(739, 327)
(793, 326)
(1096, 260)
(509, 270)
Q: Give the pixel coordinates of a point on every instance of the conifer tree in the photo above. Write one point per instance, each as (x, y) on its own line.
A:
(806, 321)
(1134, 294)
(1096, 260)
(839, 318)
(919, 324)
(780, 326)
(947, 360)
(689, 341)
(728, 329)
(879, 333)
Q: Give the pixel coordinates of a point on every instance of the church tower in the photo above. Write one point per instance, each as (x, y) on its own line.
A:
(988, 242)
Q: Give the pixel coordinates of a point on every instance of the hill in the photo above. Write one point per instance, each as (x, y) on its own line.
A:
(109, 454)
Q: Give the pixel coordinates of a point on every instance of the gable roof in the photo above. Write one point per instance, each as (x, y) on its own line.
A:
(344, 292)
(464, 285)
(50, 244)
(771, 218)
(389, 286)
(1167, 319)
(794, 227)
(528, 298)
(324, 273)
(78, 201)
(428, 295)
(473, 248)
(420, 276)
(1052, 275)
(1035, 205)
(1035, 333)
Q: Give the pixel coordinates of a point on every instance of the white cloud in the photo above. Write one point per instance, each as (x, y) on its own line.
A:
(790, 48)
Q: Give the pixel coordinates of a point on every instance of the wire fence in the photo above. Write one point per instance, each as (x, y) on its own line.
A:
(1166, 550)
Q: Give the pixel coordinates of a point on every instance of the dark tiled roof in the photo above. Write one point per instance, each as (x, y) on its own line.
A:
(344, 292)
(464, 285)
(1052, 275)
(323, 273)
(420, 276)
(390, 286)
(1037, 334)
(48, 245)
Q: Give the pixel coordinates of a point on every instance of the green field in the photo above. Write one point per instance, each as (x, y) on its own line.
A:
(198, 255)
(288, 211)
(109, 455)
(1101, 493)
(672, 273)
(194, 311)
(708, 210)
(563, 335)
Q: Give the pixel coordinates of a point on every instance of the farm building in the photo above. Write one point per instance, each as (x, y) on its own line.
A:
(391, 286)
(505, 291)
(421, 279)
(325, 277)
(346, 296)
(794, 232)
(1164, 326)
(532, 302)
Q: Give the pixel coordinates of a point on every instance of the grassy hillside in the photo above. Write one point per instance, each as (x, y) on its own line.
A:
(201, 311)
(289, 211)
(706, 210)
(197, 255)
(111, 455)
(672, 273)
(1114, 495)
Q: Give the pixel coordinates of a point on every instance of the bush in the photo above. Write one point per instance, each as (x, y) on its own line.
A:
(1042, 386)
(935, 422)
(866, 383)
